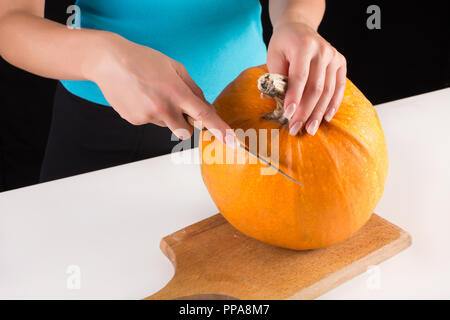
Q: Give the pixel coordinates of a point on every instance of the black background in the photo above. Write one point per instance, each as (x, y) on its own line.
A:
(409, 55)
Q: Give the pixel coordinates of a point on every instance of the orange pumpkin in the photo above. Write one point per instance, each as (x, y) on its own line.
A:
(343, 169)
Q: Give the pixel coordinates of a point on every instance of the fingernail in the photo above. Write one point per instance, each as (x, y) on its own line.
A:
(312, 127)
(231, 140)
(295, 128)
(330, 115)
(289, 112)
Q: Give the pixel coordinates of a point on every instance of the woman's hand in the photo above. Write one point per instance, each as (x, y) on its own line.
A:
(145, 86)
(316, 73)
(141, 84)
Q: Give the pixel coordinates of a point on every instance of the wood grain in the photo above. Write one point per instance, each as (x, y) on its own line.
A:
(213, 260)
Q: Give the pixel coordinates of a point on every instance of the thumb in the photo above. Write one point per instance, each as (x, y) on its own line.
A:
(184, 75)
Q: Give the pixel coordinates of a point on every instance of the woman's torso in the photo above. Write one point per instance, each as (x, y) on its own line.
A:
(214, 39)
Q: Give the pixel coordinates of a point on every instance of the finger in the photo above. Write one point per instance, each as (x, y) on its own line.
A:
(298, 75)
(164, 113)
(312, 92)
(152, 109)
(159, 123)
(277, 62)
(321, 107)
(336, 100)
(179, 126)
(184, 75)
(206, 115)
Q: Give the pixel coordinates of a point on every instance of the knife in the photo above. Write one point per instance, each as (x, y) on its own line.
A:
(192, 122)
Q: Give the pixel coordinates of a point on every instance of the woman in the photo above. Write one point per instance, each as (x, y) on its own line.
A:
(154, 62)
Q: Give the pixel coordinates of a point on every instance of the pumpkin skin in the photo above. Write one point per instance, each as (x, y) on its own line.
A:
(343, 169)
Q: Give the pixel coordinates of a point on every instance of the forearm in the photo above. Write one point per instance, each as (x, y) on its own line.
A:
(49, 49)
(304, 11)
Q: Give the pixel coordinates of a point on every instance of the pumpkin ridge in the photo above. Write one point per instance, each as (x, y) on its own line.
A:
(337, 170)
(356, 141)
(363, 150)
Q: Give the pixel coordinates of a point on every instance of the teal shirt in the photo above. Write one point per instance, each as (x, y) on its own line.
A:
(214, 39)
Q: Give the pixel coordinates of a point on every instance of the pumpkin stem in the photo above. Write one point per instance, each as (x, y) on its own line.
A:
(275, 86)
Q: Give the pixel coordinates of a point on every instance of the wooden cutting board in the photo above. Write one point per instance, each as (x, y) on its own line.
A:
(213, 260)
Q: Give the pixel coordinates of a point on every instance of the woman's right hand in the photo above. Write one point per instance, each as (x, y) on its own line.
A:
(145, 86)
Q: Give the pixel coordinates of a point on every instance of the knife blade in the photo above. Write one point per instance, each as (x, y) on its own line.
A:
(193, 123)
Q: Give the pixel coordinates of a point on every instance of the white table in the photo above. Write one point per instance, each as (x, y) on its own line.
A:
(102, 230)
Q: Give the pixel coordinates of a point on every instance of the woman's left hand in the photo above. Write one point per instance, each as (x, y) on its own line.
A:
(316, 73)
